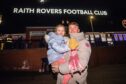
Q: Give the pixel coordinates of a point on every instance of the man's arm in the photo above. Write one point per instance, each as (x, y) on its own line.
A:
(62, 68)
(84, 52)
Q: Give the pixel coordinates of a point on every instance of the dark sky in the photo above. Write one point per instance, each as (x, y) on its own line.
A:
(16, 23)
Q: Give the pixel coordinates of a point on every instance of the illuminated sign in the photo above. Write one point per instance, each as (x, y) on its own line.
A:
(103, 37)
(116, 37)
(124, 37)
(37, 33)
(120, 37)
(58, 11)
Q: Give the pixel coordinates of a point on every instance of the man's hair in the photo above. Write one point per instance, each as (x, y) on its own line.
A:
(73, 23)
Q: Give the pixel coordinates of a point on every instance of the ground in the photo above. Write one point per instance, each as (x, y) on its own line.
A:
(105, 74)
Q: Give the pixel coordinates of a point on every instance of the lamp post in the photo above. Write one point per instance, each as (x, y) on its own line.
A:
(91, 18)
(0, 19)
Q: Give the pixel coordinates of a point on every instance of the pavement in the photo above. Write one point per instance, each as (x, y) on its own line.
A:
(105, 74)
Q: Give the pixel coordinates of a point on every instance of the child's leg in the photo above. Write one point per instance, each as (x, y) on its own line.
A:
(66, 78)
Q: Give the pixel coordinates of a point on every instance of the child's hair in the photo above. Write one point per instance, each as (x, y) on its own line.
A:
(59, 25)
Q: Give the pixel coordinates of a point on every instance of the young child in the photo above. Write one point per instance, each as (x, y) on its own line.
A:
(57, 47)
(57, 44)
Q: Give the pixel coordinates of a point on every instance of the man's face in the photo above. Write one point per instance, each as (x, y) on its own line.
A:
(73, 29)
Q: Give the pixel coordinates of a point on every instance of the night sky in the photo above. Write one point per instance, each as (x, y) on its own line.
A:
(17, 23)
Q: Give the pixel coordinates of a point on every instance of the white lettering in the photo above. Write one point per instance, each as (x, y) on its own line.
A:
(58, 11)
(23, 10)
(15, 10)
(96, 12)
(88, 12)
(48, 11)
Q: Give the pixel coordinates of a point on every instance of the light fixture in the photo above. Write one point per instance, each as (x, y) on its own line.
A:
(91, 18)
(67, 22)
(0, 19)
(63, 22)
(42, 1)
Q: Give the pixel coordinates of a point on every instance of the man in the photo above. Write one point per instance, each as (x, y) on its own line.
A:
(84, 52)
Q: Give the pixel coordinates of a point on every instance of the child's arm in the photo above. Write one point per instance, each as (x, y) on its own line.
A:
(59, 48)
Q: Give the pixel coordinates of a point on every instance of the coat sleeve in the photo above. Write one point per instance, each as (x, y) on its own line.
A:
(84, 52)
(59, 48)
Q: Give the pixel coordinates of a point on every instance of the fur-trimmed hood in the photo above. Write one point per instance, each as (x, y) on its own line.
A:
(78, 36)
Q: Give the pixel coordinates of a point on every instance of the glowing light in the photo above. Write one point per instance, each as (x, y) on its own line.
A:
(0, 19)
(42, 1)
(91, 17)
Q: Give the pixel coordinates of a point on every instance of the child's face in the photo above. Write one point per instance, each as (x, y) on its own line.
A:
(60, 31)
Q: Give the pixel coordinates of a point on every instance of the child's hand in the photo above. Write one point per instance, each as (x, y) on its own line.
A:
(73, 43)
(46, 37)
(55, 67)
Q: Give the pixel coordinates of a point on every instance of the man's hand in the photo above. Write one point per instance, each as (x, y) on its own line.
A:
(55, 67)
